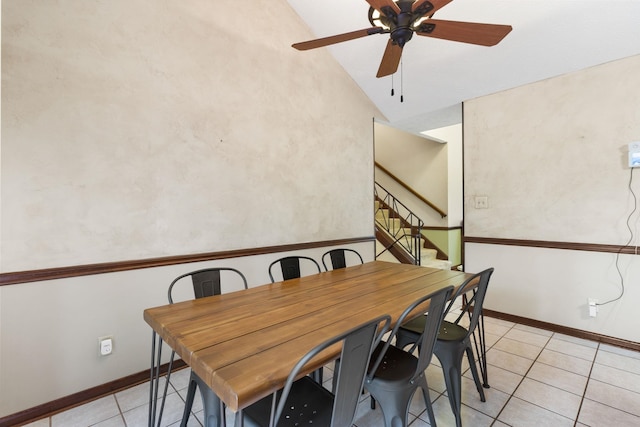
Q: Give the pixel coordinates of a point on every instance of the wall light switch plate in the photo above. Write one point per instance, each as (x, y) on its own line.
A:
(481, 202)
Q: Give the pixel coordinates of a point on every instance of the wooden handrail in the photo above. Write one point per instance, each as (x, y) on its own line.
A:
(442, 213)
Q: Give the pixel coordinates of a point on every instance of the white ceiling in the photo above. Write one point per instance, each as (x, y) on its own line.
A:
(549, 38)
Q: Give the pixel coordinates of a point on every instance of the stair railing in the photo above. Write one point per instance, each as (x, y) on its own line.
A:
(401, 223)
(442, 213)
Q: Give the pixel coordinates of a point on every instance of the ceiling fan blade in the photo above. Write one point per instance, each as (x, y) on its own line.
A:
(379, 4)
(326, 41)
(465, 32)
(390, 59)
(437, 4)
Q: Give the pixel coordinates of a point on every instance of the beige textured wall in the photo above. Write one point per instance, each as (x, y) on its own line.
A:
(136, 129)
(139, 128)
(552, 159)
(453, 137)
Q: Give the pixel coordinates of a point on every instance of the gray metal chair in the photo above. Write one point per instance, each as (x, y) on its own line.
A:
(339, 257)
(454, 340)
(395, 374)
(304, 401)
(206, 282)
(290, 267)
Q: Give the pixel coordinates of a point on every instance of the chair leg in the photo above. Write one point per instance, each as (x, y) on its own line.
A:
(317, 375)
(188, 404)
(474, 373)
(481, 349)
(427, 400)
(334, 379)
(213, 408)
(395, 407)
(239, 422)
(451, 364)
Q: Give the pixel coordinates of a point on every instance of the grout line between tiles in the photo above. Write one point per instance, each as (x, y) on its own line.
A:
(496, 419)
(586, 386)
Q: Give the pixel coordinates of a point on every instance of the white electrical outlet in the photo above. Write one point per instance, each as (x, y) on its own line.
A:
(105, 345)
(593, 307)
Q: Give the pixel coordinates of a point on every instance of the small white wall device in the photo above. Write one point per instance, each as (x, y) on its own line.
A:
(634, 154)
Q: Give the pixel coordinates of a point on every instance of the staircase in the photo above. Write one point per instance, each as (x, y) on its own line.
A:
(399, 237)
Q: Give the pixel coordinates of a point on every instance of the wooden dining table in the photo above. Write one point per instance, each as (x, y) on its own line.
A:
(243, 344)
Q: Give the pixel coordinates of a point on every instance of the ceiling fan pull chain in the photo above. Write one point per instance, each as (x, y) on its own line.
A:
(401, 82)
(392, 91)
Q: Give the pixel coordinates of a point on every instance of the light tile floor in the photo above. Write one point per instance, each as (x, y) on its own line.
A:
(537, 378)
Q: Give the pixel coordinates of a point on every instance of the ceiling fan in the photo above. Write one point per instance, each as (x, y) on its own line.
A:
(402, 18)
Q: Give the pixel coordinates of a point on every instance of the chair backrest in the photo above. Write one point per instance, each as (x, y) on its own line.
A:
(338, 258)
(290, 266)
(437, 301)
(357, 345)
(472, 291)
(206, 282)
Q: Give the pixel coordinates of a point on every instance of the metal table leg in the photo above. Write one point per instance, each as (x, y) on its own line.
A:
(154, 383)
(213, 407)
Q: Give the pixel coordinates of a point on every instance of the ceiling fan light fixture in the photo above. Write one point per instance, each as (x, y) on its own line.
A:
(377, 19)
(418, 22)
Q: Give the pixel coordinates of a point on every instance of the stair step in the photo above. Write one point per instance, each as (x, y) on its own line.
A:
(393, 227)
(393, 223)
(428, 257)
(407, 231)
(382, 214)
(428, 254)
(438, 263)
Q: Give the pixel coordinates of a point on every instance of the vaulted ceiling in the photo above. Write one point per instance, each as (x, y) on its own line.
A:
(549, 38)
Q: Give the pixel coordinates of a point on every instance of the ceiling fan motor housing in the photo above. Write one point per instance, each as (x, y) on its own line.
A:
(401, 35)
(401, 25)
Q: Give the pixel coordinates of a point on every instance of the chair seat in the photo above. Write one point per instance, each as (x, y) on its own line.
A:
(396, 365)
(451, 332)
(415, 325)
(308, 403)
(448, 331)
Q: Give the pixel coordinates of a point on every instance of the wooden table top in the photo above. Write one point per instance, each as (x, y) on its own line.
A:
(243, 344)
